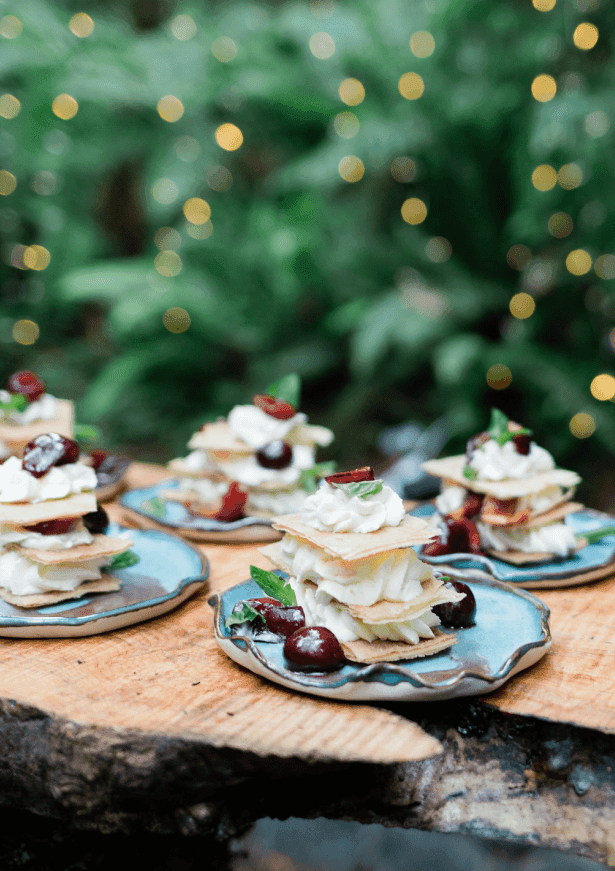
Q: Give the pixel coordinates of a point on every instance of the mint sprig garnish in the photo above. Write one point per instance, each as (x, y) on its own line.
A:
(124, 560)
(245, 614)
(470, 473)
(288, 388)
(17, 402)
(362, 489)
(309, 478)
(155, 507)
(85, 432)
(498, 428)
(273, 585)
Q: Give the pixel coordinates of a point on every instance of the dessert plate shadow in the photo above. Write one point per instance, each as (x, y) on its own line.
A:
(111, 479)
(511, 634)
(146, 507)
(169, 572)
(592, 562)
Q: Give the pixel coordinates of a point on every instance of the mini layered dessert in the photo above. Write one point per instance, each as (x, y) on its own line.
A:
(52, 541)
(259, 461)
(504, 497)
(27, 410)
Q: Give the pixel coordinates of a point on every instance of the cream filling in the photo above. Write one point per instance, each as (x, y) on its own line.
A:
(26, 538)
(331, 509)
(278, 502)
(206, 489)
(18, 485)
(495, 462)
(21, 576)
(555, 538)
(45, 408)
(247, 471)
(453, 496)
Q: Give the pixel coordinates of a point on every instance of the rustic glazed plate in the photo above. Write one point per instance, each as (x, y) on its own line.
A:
(147, 508)
(111, 478)
(168, 573)
(588, 564)
(511, 633)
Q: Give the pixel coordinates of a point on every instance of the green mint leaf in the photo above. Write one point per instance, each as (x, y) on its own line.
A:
(123, 560)
(17, 402)
(596, 534)
(470, 473)
(362, 489)
(273, 585)
(287, 388)
(245, 614)
(84, 432)
(498, 425)
(155, 507)
(309, 478)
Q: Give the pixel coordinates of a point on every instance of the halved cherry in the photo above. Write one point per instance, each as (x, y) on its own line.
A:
(472, 505)
(365, 473)
(463, 537)
(47, 450)
(52, 527)
(275, 407)
(233, 504)
(275, 455)
(27, 383)
(280, 619)
(98, 457)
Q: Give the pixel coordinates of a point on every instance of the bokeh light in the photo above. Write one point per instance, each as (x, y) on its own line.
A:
(322, 45)
(65, 107)
(168, 263)
(170, 108)
(610, 340)
(543, 5)
(544, 88)
(570, 176)
(229, 137)
(165, 191)
(403, 169)
(499, 376)
(10, 26)
(560, 225)
(605, 266)
(411, 86)
(8, 182)
(439, 249)
(224, 49)
(422, 43)
(197, 211)
(522, 306)
(322, 8)
(36, 257)
(9, 106)
(603, 387)
(597, 124)
(351, 168)
(187, 149)
(25, 332)
(582, 425)
(544, 177)
(578, 262)
(200, 231)
(183, 27)
(518, 257)
(176, 320)
(585, 35)
(81, 25)
(351, 92)
(167, 239)
(414, 211)
(219, 178)
(346, 124)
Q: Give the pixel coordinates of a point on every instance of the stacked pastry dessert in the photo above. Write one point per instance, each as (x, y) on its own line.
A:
(505, 497)
(27, 410)
(349, 554)
(260, 460)
(52, 545)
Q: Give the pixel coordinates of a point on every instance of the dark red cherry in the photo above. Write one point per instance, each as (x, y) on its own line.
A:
(522, 444)
(280, 619)
(277, 408)
(96, 522)
(475, 442)
(314, 648)
(472, 504)
(52, 527)
(463, 537)
(365, 473)
(457, 615)
(27, 383)
(47, 450)
(275, 455)
(233, 504)
(98, 457)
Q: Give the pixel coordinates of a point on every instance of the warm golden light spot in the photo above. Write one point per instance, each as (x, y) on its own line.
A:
(578, 262)
(176, 320)
(224, 49)
(603, 387)
(414, 211)
(170, 108)
(219, 178)
(81, 25)
(560, 225)
(499, 376)
(543, 5)
(518, 257)
(570, 176)
(351, 92)
(544, 88)
(201, 231)
(351, 168)
(422, 43)
(403, 169)
(187, 149)
(9, 106)
(197, 211)
(36, 257)
(167, 239)
(522, 306)
(438, 249)
(25, 332)
(322, 45)
(582, 425)
(544, 177)
(10, 26)
(165, 191)
(411, 86)
(183, 27)
(229, 137)
(65, 107)
(605, 266)
(597, 124)
(346, 124)
(8, 183)
(585, 36)
(168, 263)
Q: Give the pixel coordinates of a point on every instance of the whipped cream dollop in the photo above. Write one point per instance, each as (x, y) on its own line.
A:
(556, 538)
(45, 408)
(18, 485)
(21, 576)
(450, 499)
(395, 575)
(494, 462)
(276, 501)
(27, 538)
(257, 428)
(332, 509)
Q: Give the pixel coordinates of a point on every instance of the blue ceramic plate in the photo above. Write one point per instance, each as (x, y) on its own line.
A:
(147, 504)
(110, 478)
(589, 564)
(169, 571)
(511, 633)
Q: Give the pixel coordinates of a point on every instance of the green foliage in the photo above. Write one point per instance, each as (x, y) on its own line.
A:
(300, 270)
